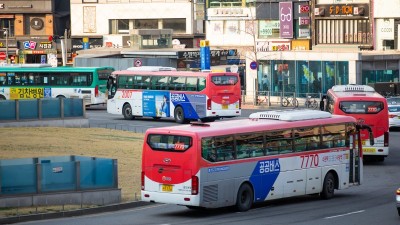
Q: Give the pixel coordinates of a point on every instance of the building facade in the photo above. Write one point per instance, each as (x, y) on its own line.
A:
(108, 23)
(26, 27)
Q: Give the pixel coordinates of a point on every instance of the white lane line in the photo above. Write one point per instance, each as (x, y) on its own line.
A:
(346, 214)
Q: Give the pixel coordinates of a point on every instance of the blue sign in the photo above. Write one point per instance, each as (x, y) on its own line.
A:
(253, 65)
(205, 58)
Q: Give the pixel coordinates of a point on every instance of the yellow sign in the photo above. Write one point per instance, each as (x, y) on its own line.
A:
(26, 93)
(204, 43)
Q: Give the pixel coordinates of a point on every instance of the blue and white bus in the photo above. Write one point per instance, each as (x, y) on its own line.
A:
(271, 155)
(166, 93)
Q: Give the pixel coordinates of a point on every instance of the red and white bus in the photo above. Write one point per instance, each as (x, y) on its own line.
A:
(368, 107)
(181, 95)
(271, 155)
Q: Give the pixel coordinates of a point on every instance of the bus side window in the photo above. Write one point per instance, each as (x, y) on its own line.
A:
(202, 84)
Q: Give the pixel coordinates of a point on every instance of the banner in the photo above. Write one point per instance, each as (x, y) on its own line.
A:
(286, 19)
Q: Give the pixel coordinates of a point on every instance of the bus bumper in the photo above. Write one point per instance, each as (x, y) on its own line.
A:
(168, 198)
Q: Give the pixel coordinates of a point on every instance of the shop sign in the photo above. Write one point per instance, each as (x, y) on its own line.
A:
(341, 10)
(286, 19)
(304, 8)
(304, 33)
(46, 45)
(77, 43)
(214, 53)
(29, 44)
(215, 13)
(304, 21)
(269, 46)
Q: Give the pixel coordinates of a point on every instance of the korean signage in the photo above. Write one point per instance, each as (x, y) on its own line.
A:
(342, 10)
(286, 19)
(304, 21)
(269, 46)
(26, 93)
(304, 8)
(267, 27)
(214, 53)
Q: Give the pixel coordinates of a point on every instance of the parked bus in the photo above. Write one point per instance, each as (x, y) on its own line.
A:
(271, 155)
(181, 95)
(43, 81)
(368, 107)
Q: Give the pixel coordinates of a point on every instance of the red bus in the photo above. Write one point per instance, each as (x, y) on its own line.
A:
(181, 95)
(368, 107)
(271, 155)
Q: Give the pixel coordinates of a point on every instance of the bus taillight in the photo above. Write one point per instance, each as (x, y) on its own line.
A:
(142, 180)
(240, 103)
(195, 185)
(386, 139)
(96, 91)
(209, 104)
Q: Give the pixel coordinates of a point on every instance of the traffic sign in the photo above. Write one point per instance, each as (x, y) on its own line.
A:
(253, 65)
(138, 63)
(2, 56)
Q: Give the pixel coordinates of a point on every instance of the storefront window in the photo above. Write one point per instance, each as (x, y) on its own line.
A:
(336, 31)
(375, 76)
(301, 77)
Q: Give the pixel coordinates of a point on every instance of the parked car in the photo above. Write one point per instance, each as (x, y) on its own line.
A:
(393, 100)
(394, 115)
(398, 201)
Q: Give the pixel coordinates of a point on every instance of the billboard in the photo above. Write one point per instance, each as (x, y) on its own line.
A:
(286, 19)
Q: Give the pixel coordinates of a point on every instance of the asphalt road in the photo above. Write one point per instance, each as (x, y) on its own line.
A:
(369, 204)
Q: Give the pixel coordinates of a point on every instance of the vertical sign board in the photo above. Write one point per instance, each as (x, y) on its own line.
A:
(85, 42)
(205, 55)
(286, 19)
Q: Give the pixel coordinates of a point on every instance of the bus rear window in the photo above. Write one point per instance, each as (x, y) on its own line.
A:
(174, 143)
(367, 107)
(224, 80)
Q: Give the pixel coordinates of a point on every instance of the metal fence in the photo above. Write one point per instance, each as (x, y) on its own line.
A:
(265, 98)
(56, 174)
(41, 109)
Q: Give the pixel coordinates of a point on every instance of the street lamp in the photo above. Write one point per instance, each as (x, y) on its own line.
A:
(6, 33)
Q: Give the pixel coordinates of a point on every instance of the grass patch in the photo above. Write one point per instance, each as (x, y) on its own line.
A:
(125, 146)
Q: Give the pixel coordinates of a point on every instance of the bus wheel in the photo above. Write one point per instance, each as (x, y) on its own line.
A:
(127, 112)
(328, 189)
(179, 115)
(2, 97)
(244, 199)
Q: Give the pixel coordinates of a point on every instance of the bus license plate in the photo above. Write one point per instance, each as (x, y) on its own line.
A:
(369, 150)
(166, 188)
(224, 106)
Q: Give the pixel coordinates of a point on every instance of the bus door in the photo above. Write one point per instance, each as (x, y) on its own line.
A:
(111, 87)
(354, 161)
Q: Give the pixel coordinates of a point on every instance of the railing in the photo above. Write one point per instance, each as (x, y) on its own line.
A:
(57, 174)
(225, 4)
(276, 99)
(40, 109)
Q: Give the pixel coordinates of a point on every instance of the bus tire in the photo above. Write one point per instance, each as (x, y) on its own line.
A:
(208, 119)
(127, 112)
(2, 97)
(328, 188)
(244, 199)
(179, 115)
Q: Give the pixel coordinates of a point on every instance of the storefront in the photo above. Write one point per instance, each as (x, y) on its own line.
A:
(37, 51)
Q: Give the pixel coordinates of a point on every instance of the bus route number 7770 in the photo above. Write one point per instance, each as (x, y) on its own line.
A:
(309, 161)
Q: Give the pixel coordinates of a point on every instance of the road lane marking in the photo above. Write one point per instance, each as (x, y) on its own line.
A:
(346, 214)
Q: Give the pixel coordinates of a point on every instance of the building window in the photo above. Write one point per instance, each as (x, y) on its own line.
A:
(6, 24)
(177, 25)
(145, 24)
(343, 32)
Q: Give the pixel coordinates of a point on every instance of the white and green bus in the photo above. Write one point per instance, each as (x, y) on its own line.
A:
(42, 81)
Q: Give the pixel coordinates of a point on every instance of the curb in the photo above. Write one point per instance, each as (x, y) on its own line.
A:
(79, 212)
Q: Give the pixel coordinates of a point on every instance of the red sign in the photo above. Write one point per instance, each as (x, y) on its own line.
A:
(2, 56)
(304, 8)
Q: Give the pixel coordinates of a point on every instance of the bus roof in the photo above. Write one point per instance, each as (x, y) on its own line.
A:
(354, 92)
(256, 124)
(151, 68)
(169, 73)
(51, 69)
